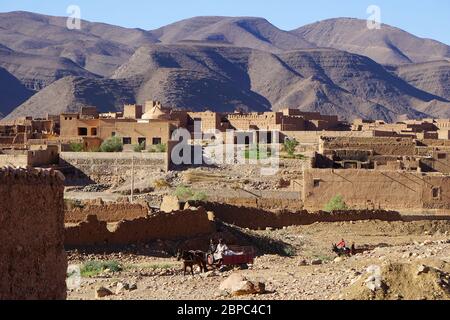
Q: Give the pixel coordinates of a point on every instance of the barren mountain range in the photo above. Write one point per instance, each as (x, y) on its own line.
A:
(336, 66)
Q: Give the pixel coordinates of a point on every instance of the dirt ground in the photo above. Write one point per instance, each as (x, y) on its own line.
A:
(292, 276)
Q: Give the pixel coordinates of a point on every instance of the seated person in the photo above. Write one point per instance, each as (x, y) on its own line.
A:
(223, 250)
(342, 245)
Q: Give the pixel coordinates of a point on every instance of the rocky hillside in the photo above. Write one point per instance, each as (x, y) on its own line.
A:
(388, 45)
(433, 77)
(224, 64)
(15, 95)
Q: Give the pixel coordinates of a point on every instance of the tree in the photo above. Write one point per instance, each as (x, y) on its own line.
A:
(335, 204)
(290, 146)
(113, 144)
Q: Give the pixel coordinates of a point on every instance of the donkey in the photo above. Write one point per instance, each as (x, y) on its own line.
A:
(192, 258)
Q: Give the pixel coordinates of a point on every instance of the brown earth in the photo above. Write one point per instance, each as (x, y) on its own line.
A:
(291, 275)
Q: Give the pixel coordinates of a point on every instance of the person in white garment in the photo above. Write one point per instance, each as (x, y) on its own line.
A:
(221, 250)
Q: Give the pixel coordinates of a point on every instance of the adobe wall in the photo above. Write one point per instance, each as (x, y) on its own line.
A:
(254, 218)
(314, 136)
(109, 212)
(159, 226)
(362, 189)
(264, 203)
(380, 146)
(110, 168)
(33, 262)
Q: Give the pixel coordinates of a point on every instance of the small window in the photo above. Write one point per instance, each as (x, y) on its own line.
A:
(113, 134)
(126, 140)
(442, 156)
(436, 193)
(156, 141)
(82, 132)
(93, 131)
(316, 183)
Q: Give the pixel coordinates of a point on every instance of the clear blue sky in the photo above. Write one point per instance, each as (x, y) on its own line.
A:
(424, 18)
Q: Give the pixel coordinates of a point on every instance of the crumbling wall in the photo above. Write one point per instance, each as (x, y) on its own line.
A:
(110, 168)
(164, 226)
(109, 212)
(254, 218)
(33, 263)
(380, 146)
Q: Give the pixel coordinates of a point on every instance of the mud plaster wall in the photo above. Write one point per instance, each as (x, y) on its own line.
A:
(110, 168)
(33, 263)
(113, 212)
(381, 146)
(160, 226)
(256, 219)
(362, 189)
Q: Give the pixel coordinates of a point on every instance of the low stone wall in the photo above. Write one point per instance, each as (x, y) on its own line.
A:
(163, 226)
(256, 219)
(264, 203)
(110, 212)
(110, 168)
(33, 263)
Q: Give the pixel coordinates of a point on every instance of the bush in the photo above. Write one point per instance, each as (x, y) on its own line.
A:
(158, 148)
(113, 144)
(93, 268)
(139, 147)
(76, 147)
(290, 146)
(199, 196)
(335, 204)
(185, 193)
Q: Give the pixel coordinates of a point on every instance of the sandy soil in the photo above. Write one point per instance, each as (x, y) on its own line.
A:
(293, 277)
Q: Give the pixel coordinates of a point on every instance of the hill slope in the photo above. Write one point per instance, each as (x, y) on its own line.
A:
(14, 95)
(433, 77)
(255, 33)
(389, 45)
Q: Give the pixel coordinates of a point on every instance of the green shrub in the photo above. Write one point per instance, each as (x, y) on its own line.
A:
(257, 154)
(93, 268)
(76, 147)
(139, 147)
(336, 203)
(199, 196)
(113, 144)
(183, 192)
(158, 148)
(290, 146)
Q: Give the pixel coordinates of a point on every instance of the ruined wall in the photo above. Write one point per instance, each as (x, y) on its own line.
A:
(314, 136)
(33, 263)
(109, 212)
(110, 168)
(362, 189)
(380, 146)
(254, 218)
(164, 226)
(264, 203)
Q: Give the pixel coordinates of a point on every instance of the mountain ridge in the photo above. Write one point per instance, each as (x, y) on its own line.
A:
(226, 63)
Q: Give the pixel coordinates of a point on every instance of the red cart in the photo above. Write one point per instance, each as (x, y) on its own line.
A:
(244, 257)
